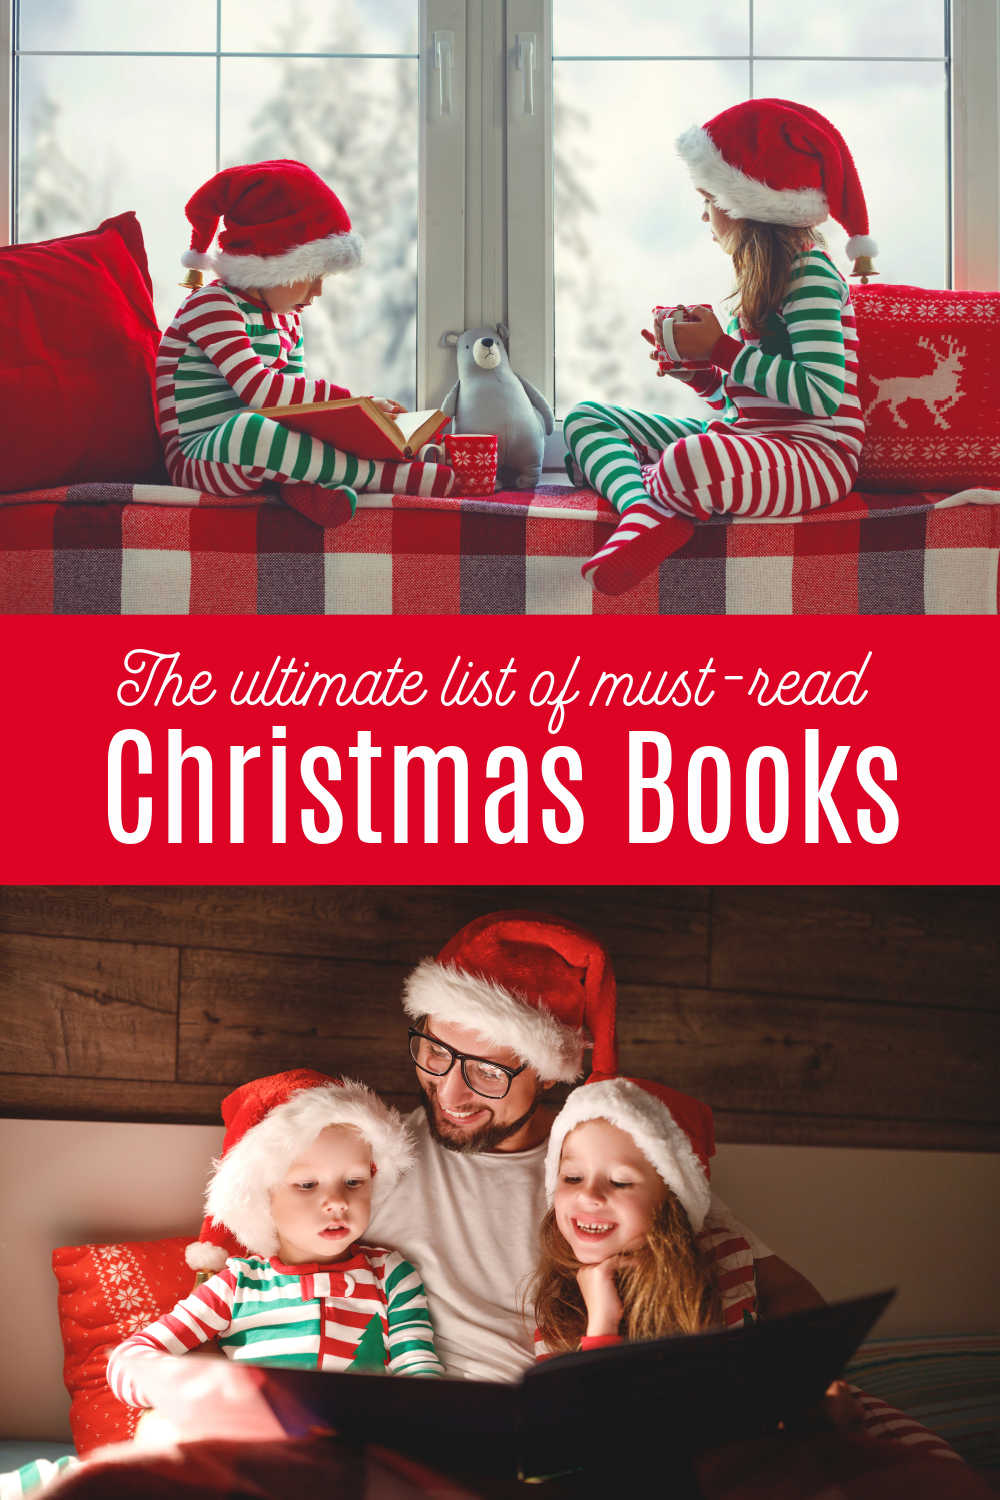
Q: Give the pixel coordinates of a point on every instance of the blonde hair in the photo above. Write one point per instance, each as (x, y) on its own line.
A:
(665, 1287)
(762, 259)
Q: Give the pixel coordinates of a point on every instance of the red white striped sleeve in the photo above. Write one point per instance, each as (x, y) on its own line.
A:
(213, 321)
(882, 1421)
(194, 1320)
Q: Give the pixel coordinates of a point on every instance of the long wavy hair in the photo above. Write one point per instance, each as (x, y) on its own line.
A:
(762, 259)
(666, 1287)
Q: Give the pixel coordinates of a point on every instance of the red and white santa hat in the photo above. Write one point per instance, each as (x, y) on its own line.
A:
(281, 224)
(779, 163)
(269, 1122)
(541, 987)
(673, 1131)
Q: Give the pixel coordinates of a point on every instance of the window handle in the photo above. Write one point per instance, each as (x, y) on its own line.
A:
(444, 67)
(524, 62)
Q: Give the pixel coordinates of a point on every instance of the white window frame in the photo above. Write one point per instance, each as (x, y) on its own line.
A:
(486, 216)
(975, 177)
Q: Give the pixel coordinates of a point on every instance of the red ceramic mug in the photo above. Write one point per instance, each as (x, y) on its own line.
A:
(667, 353)
(473, 456)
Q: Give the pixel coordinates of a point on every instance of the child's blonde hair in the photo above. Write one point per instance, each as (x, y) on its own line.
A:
(666, 1287)
(763, 255)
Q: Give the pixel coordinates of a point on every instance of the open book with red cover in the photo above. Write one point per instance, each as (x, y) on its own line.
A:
(354, 424)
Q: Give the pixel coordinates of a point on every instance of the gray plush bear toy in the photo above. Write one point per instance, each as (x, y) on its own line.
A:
(489, 397)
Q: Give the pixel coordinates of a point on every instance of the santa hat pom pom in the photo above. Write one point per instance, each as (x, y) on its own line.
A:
(196, 260)
(860, 244)
(201, 1256)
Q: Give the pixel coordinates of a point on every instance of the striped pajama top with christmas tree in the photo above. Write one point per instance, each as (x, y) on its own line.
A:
(788, 437)
(368, 1312)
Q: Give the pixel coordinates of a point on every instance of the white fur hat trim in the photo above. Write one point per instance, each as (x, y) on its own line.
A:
(338, 252)
(201, 1255)
(502, 1017)
(238, 1193)
(653, 1128)
(860, 244)
(741, 196)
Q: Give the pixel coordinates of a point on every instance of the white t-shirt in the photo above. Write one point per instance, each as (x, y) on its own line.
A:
(469, 1225)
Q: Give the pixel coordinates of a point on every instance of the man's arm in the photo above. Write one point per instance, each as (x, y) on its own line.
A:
(781, 1289)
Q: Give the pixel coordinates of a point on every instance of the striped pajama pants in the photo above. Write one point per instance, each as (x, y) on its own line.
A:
(654, 467)
(248, 450)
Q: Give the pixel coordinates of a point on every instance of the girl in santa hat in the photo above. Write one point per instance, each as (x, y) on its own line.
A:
(236, 346)
(628, 1248)
(782, 377)
(626, 1178)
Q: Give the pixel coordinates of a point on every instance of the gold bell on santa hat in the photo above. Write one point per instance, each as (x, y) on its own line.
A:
(193, 281)
(864, 268)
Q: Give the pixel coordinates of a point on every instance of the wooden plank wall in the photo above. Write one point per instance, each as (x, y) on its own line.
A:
(807, 1015)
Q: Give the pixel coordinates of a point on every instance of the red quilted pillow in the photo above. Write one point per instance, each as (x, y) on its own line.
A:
(106, 1292)
(930, 388)
(78, 341)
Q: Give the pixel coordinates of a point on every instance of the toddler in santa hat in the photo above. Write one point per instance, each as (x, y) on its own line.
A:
(782, 380)
(236, 346)
(304, 1159)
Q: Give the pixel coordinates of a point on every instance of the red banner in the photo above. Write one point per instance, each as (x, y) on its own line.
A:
(465, 750)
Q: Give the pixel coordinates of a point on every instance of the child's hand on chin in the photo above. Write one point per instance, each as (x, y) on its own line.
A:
(600, 1296)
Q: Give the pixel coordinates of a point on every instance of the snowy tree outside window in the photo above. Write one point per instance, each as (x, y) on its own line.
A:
(120, 105)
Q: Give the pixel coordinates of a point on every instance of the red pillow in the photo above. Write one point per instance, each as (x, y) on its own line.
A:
(930, 388)
(106, 1292)
(78, 341)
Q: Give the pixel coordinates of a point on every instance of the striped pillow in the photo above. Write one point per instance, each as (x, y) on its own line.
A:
(951, 1385)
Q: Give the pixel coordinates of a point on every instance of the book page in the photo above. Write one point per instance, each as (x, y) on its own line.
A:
(409, 421)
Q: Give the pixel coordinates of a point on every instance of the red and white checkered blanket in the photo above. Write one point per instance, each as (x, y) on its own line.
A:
(136, 549)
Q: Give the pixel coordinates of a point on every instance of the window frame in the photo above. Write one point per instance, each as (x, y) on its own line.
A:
(974, 140)
(486, 214)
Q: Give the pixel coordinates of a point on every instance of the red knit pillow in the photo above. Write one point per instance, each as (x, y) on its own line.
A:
(78, 341)
(106, 1292)
(930, 388)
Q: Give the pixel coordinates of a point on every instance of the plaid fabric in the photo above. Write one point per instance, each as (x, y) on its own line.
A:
(155, 549)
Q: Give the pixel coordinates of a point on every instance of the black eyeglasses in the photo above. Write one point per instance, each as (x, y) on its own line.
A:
(491, 1080)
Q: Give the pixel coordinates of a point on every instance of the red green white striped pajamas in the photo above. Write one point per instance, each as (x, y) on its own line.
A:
(222, 358)
(787, 439)
(368, 1312)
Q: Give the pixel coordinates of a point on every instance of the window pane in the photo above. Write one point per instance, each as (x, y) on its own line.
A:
(649, 28)
(348, 26)
(121, 25)
(851, 28)
(628, 230)
(356, 123)
(894, 119)
(77, 163)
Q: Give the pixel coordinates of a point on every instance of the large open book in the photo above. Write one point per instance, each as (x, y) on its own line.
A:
(681, 1394)
(356, 425)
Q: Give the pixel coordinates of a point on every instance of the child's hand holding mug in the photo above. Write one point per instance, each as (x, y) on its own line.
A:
(682, 333)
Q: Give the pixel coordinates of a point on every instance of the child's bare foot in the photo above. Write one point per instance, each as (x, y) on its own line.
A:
(323, 506)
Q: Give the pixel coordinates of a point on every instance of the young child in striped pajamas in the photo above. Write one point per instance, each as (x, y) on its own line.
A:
(629, 1249)
(782, 378)
(304, 1159)
(236, 346)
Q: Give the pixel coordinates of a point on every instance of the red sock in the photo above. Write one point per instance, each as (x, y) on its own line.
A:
(324, 507)
(646, 534)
